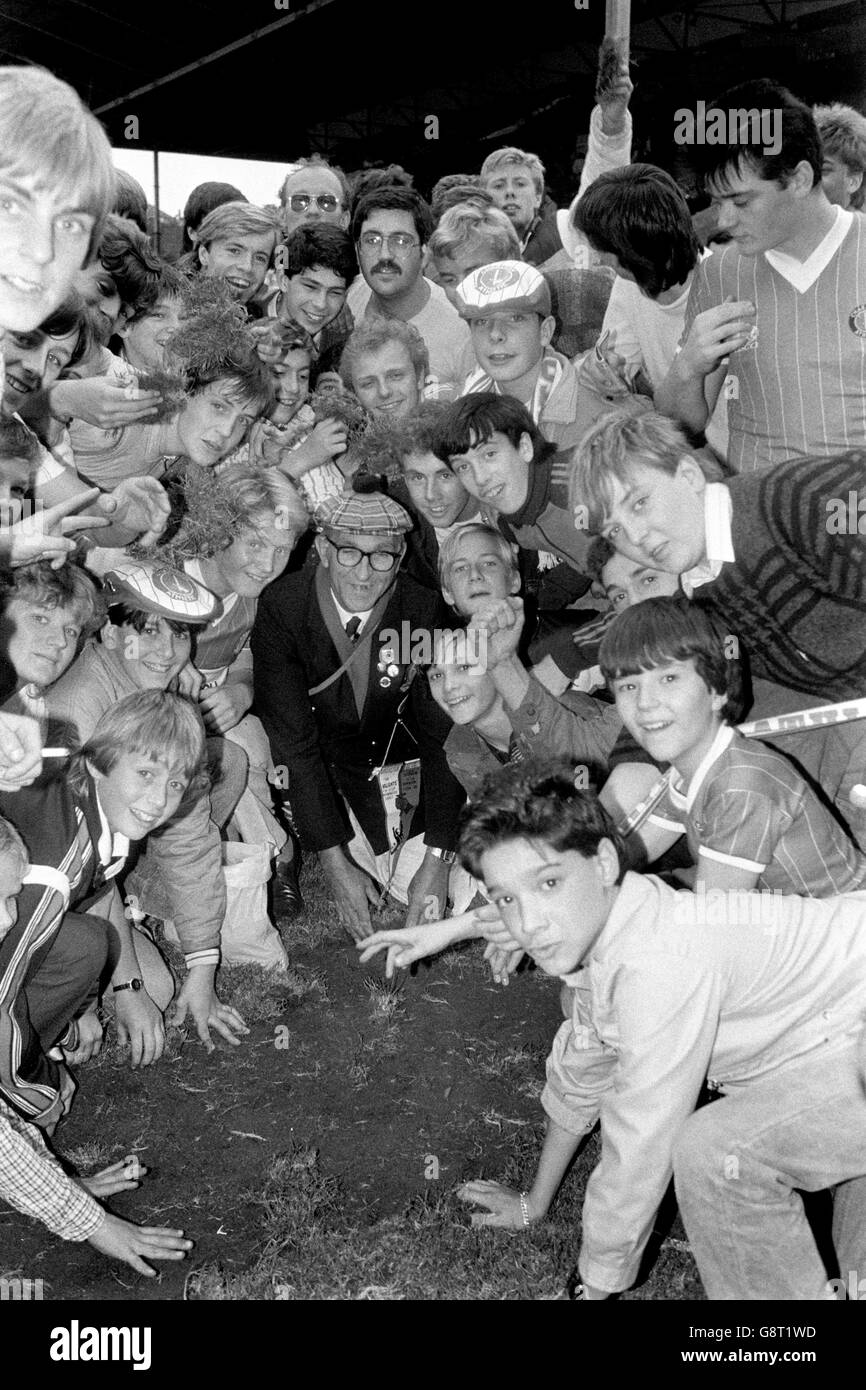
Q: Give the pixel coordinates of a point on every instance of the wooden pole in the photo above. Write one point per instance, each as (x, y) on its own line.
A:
(617, 24)
(158, 232)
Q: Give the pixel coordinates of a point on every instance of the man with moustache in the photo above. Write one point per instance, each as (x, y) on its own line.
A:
(391, 228)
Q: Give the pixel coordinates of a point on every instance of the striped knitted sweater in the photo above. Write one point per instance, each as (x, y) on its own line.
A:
(796, 592)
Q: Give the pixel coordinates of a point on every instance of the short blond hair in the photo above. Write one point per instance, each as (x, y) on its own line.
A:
(465, 225)
(510, 154)
(235, 219)
(498, 544)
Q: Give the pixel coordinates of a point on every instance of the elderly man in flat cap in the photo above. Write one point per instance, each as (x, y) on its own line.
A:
(336, 656)
(153, 611)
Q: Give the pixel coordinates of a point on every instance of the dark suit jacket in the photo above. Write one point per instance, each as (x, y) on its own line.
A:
(326, 747)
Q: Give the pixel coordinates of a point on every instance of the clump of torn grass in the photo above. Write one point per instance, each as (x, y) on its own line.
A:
(260, 995)
(386, 1003)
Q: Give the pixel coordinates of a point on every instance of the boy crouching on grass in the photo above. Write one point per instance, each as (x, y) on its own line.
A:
(662, 999)
(31, 1179)
(71, 937)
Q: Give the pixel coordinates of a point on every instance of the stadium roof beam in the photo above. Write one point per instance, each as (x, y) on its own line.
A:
(212, 57)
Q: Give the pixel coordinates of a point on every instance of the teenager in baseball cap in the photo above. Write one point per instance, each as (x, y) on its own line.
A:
(508, 309)
(507, 305)
(152, 612)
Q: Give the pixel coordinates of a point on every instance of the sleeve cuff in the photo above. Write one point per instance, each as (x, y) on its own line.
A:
(82, 1217)
(566, 1116)
(610, 143)
(211, 956)
(718, 858)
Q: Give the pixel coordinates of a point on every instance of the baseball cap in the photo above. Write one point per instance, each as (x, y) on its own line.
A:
(503, 286)
(369, 514)
(161, 589)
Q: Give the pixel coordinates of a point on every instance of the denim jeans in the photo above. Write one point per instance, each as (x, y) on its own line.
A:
(739, 1161)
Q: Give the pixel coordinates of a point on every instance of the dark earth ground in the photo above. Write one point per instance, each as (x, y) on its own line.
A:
(319, 1159)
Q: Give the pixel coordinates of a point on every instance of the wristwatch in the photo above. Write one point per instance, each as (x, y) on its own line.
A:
(134, 984)
(447, 856)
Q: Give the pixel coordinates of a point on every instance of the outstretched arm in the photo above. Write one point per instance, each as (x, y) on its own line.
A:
(405, 945)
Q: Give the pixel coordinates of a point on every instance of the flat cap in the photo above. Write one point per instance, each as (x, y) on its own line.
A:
(503, 287)
(162, 589)
(369, 514)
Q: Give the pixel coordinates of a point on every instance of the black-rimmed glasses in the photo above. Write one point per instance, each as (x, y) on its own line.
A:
(350, 557)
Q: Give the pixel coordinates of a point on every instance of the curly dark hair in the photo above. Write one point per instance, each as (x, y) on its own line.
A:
(536, 800)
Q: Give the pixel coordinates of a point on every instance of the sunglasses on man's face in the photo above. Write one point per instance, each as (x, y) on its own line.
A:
(325, 202)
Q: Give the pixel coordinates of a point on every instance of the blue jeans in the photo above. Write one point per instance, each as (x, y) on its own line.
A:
(738, 1161)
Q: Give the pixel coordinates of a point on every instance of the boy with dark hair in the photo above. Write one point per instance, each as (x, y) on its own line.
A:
(498, 453)
(292, 440)
(430, 490)
(145, 332)
(122, 281)
(314, 269)
(35, 359)
(794, 273)
(391, 228)
(665, 994)
(312, 248)
(637, 218)
(750, 818)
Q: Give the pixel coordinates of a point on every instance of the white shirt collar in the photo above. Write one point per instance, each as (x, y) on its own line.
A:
(718, 510)
(721, 741)
(345, 615)
(109, 847)
(802, 274)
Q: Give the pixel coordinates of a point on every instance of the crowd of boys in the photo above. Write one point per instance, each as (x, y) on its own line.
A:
(449, 541)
